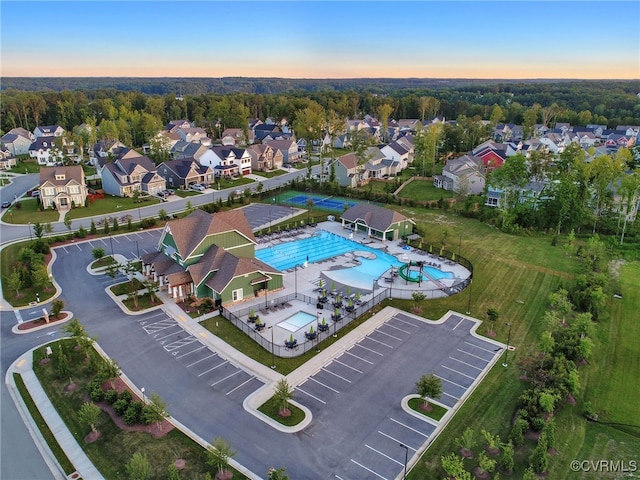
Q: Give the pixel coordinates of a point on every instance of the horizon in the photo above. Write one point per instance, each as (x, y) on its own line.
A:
(481, 40)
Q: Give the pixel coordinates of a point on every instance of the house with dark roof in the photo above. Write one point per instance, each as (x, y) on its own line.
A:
(7, 159)
(230, 161)
(377, 222)
(210, 256)
(264, 158)
(62, 187)
(349, 173)
(130, 173)
(48, 131)
(102, 150)
(464, 175)
(289, 149)
(184, 172)
(45, 151)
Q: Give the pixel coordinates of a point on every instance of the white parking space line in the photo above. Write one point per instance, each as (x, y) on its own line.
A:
(471, 354)
(452, 383)
(158, 314)
(411, 324)
(202, 359)
(158, 328)
(325, 386)
(465, 363)
(397, 328)
(461, 320)
(79, 248)
(397, 441)
(369, 470)
(239, 386)
(384, 455)
(378, 341)
(348, 366)
(312, 396)
(225, 378)
(409, 428)
(481, 348)
(359, 358)
(179, 344)
(192, 351)
(389, 335)
(336, 375)
(449, 395)
(338, 477)
(459, 373)
(372, 351)
(167, 336)
(212, 369)
(115, 239)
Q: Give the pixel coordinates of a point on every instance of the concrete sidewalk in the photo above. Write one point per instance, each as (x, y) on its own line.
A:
(73, 451)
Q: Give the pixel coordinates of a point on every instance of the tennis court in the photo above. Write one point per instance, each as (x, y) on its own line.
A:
(333, 204)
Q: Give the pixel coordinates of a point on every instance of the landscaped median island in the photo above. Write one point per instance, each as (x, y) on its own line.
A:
(77, 379)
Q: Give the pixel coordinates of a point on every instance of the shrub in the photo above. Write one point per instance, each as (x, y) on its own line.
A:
(95, 391)
(126, 395)
(132, 415)
(111, 396)
(121, 405)
(517, 432)
(537, 423)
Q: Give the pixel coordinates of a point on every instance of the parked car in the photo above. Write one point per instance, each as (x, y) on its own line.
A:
(168, 192)
(6, 204)
(197, 186)
(35, 193)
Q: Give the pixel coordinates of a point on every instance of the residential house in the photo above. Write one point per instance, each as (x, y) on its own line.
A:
(492, 153)
(185, 172)
(18, 141)
(532, 193)
(210, 256)
(616, 140)
(341, 141)
(230, 161)
(7, 159)
(48, 131)
(349, 173)
(130, 173)
(265, 158)
(45, 151)
(289, 149)
(463, 175)
(236, 136)
(198, 151)
(102, 150)
(377, 222)
(262, 130)
(63, 187)
(379, 166)
(399, 151)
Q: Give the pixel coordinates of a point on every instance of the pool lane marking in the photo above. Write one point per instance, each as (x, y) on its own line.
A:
(396, 440)
(465, 363)
(408, 427)
(359, 358)
(336, 375)
(348, 366)
(384, 455)
(312, 396)
(372, 351)
(369, 470)
(212, 369)
(324, 385)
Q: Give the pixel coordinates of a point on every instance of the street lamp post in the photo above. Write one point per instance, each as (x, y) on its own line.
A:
(506, 350)
(469, 300)
(143, 397)
(273, 358)
(138, 250)
(406, 457)
(296, 280)
(111, 242)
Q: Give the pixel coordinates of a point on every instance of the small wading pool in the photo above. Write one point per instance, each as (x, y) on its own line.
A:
(297, 321)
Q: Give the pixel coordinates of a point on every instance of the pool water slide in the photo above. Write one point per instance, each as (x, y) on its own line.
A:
(405, 272)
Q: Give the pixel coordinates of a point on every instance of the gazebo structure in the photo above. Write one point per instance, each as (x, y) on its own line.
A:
(377, 222)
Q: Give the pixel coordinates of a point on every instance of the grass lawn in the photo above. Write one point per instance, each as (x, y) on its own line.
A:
(9, 254)
(53, 444)
(26, 166)
(103, 262)
(379, 186)
(271, 408)
(144, 301)
(28, 212)
(186, 193)
(124, 288)
(113, 450)
(437, 412)
(424, 190)
(270, 174)
(118, 207)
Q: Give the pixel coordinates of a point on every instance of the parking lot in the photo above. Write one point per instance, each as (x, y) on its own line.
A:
(384, 366)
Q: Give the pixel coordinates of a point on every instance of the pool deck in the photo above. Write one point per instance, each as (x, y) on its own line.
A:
(305, 279)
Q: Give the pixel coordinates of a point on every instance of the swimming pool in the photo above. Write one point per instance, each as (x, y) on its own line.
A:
(428, 273)
(297, 321)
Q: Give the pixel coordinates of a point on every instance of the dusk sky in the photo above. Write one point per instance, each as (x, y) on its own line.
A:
(328, 39)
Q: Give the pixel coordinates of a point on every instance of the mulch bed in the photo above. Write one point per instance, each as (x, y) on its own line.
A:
(40, 322)
(121, 386)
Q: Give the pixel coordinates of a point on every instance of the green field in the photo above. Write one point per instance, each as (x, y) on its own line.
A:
(423, 190)
(116, 207)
